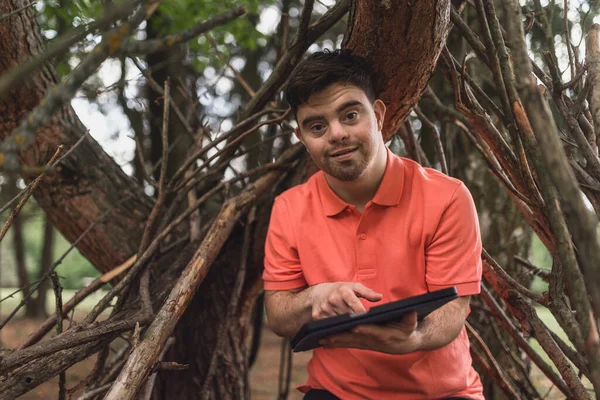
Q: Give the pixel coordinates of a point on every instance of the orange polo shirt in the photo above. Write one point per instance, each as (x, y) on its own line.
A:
(419, 233)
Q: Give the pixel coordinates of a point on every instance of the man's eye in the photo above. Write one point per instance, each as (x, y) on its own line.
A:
(352, 115)
(317, 127)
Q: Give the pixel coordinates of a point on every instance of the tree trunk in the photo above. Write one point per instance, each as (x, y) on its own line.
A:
(46, 260)
(18, 251)
(21, 264)
(163, 65)
(89, 183)
(403, 40)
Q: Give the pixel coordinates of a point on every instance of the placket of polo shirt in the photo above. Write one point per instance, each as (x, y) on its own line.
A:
(365, 246)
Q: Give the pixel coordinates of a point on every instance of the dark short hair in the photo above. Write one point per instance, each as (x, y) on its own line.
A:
(324, 68)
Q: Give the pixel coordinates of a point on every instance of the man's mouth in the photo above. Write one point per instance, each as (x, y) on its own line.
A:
(342, 152)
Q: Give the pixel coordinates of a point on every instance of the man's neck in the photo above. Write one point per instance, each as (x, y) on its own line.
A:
(362, 190)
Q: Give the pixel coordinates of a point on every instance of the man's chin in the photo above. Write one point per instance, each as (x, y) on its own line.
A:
(345, 176)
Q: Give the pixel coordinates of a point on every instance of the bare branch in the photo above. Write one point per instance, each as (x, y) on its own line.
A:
(61, 45)
(75, 300)
(60, 260)
(283, 68)
(237, 75)
(140, 362)
(163, 171)
(232, 308)
(158, 89)
(233, 143)
(583, 223)
(497, 373)
(18, 10)
(59, 311)
(436, 138)
(592, 60)
(499, 313)
(51, 167)
(25, 133)
(26, 196)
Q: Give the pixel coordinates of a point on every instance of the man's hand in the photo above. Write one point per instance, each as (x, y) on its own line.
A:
(395, 338)
(331, 299)
(435, 331)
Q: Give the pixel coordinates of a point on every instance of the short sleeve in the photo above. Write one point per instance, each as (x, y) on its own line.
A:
(282, 262)
(453, 258)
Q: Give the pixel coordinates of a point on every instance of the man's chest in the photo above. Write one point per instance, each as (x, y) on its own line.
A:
(381, 249)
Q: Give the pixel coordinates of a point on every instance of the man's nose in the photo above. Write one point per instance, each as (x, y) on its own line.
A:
(337, 133)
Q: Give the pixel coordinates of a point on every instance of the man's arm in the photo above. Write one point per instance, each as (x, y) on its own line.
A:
(435, 331)
(287, 311)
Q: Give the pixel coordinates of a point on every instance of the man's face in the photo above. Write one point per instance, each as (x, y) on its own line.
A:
(341, 130)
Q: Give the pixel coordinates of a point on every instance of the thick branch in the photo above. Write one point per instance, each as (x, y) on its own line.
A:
(141, 362)
(592, 59)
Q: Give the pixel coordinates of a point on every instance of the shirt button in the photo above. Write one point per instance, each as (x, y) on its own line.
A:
(363, 236)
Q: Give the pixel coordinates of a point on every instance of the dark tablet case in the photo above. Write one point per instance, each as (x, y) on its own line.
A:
(309, 335)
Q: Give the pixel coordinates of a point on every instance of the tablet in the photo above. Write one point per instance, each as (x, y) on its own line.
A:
(310, 333)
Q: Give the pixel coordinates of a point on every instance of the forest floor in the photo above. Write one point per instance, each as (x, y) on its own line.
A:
(264, 375)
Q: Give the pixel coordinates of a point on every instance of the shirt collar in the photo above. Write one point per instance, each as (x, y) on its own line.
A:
(388, 193)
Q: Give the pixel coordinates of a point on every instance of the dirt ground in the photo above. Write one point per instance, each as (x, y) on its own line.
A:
(263, 376)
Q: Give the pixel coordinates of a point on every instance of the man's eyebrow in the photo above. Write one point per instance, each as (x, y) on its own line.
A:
(342, 107)
(308, 120)
(349, 103)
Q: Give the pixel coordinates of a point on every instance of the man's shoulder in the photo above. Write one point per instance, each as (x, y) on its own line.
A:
(429, 179)
(302, 195)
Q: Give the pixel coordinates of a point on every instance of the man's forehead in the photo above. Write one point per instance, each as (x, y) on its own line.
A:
(335, 92)
(331, 98)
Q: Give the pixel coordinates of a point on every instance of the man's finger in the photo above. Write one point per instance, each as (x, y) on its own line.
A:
(352, 302)
(364, 292)
(409, 321)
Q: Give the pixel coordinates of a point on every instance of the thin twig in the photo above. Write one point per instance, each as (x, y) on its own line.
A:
(152, 46)
(224, 60)
(231, 144)
(147, 393)
(44, 170)
(231, 133)
(568, 37)
(62, 393)
(498, 373)
(61, 45)
(436, 137)
(537, 271)
(517, 336)
(232, 308)
(27, 195)
(18, 10)
(163, 171)
(92, 393)
(60, 260)
(76, 299)
(158, 89)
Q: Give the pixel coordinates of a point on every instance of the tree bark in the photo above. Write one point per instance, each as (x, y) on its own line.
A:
(403, 40)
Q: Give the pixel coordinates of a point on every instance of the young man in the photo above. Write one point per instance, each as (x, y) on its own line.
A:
(367, 229)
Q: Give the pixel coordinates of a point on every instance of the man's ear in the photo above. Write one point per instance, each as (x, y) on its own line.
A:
(298, 134)
(379, 109)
